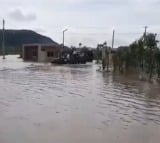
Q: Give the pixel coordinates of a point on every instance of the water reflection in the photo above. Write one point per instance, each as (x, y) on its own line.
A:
(74, 103)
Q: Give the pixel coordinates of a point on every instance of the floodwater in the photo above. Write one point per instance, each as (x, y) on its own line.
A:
(44, 103)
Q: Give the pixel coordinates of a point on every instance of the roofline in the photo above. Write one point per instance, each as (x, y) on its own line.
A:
(38, 44)
(32, 44)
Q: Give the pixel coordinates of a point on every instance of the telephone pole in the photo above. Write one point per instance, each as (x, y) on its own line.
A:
(3, 39)
(145, 33)
(113, 39)
(145, 29)
(63, 36)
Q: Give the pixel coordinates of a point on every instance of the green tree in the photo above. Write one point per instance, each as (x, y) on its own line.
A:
(157, 60)
(151, 46)
(80, 44)
(140, 53)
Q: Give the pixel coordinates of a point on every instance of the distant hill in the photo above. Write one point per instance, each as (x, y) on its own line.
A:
(14, 39)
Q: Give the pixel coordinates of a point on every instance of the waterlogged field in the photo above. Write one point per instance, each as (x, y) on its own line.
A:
(44, 103)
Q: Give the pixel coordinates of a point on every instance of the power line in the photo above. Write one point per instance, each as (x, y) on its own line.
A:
(98, 33)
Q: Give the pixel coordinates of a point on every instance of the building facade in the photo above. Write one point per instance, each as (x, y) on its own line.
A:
(40, 52)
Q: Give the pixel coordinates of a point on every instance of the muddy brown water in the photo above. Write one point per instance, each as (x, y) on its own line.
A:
(43, 103)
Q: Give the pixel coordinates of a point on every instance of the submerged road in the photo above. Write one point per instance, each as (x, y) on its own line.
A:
(43, 103)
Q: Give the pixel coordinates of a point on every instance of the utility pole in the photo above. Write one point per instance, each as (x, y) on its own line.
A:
(3, 40)
(113, 39)
(63, 36)
(145, 29)
(145, 34)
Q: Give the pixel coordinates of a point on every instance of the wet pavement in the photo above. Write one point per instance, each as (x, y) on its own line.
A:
(44, 103)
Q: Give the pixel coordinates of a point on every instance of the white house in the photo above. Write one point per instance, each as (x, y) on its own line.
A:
(41, 52)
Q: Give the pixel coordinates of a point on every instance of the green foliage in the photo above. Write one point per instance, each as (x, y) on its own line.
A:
(157, 59)
(142, 54)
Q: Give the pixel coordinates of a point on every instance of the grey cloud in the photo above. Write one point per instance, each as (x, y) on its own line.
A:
(155, 2)
(18, 15)
(126, 16)
(110, 2)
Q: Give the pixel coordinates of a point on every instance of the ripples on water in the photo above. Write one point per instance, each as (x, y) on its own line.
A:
(42, 93)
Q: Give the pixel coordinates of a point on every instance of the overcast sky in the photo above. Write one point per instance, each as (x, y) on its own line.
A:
(88, 21)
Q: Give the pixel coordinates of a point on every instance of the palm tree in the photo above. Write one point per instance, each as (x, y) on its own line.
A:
(80, 44)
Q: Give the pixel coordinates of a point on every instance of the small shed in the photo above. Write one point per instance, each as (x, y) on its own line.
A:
(41, 52)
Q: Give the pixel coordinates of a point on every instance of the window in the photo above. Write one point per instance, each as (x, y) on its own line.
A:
(43, 49)
(50, 54)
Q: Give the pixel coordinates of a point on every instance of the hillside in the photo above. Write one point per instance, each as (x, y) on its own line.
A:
(14, 39)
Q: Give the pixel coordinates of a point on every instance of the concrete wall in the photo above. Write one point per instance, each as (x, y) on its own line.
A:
(42, 52)
(51, 49)
(41, 55)
(30, 52)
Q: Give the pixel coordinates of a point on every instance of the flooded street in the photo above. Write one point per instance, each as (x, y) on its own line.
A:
(44, 103)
